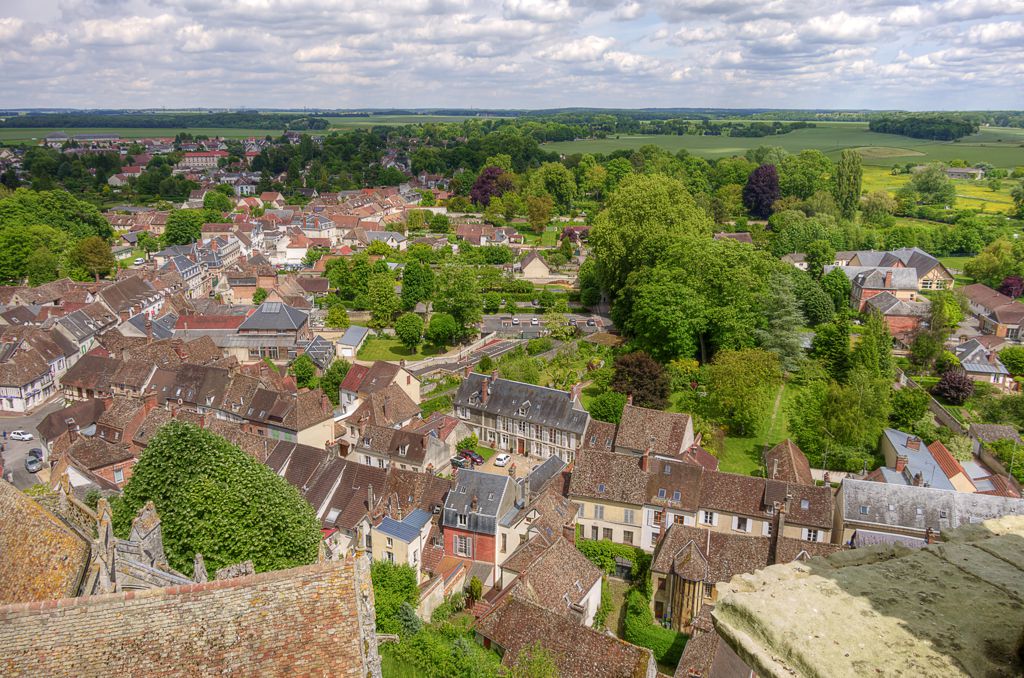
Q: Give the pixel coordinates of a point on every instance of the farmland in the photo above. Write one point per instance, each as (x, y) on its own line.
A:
(1002, 147)
(972, 194)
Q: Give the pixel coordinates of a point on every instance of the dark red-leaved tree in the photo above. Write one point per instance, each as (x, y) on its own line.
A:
(955, 386)
(1013, 286)
(641, 376)
(491, 183)
(761, 191)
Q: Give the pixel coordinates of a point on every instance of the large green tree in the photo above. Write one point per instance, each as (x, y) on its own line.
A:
(384, 303)
(849, 175)
(409, 330)
(417, 284)
(330, 381)
(203, 488)
(741, 387)
(57, 209)
(93, 256)
(781, 332)
(458, 294)
(805, 174)
(641, 218)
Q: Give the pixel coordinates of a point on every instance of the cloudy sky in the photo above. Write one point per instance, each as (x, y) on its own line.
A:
(952, 54)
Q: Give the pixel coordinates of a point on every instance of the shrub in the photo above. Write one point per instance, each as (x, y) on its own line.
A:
(393, 587)
(539, 345)
(605, 607)
(407, 619)
(485, 365)
(607, 407)
(602, 553)
(468, 443)
(955, 386)
(438, 404)
(640, 629)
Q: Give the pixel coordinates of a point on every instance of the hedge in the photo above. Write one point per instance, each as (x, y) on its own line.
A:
(605, 607)
(640, 629)
(603, 553)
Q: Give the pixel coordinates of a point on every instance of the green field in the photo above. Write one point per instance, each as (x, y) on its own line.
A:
(393, 120)
(1002, 147)
(743, 455)
(973, 194)
(389, 348)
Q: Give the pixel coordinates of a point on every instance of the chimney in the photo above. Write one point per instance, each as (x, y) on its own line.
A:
(775, 469)
(485, 390)
(574, 392)
(888, 279)
(930, 537)
(149, 330)
(369, 500)
(778, 527)
(473, 504)
(629, 398)
(913, 443)
(467, 371)
(901, 463)
(645, 460)
(918, 479)
(569, 532)
(826, 479)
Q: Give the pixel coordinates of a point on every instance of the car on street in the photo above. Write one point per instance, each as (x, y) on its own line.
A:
(534, 321)
(459, 462)
(591, 322)
(139, 261)
(20, 435)
(502, 459)
(471, 456)
(34, 460)
(515, 321)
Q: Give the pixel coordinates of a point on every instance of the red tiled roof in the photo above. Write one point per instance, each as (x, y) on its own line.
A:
(949, 465)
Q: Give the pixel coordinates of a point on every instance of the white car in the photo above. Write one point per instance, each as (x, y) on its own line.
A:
(139, 261)
(20, 435)
(502, 459)
(534, 321)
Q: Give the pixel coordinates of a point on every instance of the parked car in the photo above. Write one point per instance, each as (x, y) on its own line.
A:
(502, 459)
(459, 462)
(534, 321)
(591, 322)
(515, 321)
(34, 460)
(21, 435)
(139, 261)
(471, 456)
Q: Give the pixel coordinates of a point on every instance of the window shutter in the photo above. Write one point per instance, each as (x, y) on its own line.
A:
(714, 519)
(735, 523)
(766, 529)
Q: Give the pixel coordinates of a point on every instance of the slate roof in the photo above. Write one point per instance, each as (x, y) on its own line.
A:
(274, 315)
(990, 433)
(303, 617)
(543, 406)
(888, 305)
(576, 650)
(916, 509)
(41, 556)
(875, 278)
(354, 335)
(494, 495)
(407, 529)
(320, 351)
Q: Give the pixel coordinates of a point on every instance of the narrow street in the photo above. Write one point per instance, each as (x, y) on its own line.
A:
(15, 451)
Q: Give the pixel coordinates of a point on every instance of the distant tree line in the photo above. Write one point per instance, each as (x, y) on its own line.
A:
(937, 126)
(274, 121)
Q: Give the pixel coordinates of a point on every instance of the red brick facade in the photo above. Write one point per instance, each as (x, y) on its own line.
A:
(483, 545)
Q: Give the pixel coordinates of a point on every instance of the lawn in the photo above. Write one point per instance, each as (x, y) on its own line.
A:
(1002, 147)
(743, 455)
(396, 668)
(617, 615)
(975, 194)
(389, 348)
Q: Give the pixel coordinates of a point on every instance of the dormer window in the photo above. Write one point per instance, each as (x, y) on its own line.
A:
(661, 493)
(667, 470)
(462, 520)
(677, 495)
(805, 504)
(600, 487)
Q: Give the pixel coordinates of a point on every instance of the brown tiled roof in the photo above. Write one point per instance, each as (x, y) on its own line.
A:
(949, 465)
(371, 379)
(577, 651)
(41, 557)
(526, 554)
(95, 453)
(609, 477)
(792, 467)
(132, 374)
(91, 372)
(409, 490)
(641, 428)
(561, 573)
(150, 425)
(386, 407)
(277, 623)
(668, 477)
(21, 369)
(311, 408)
(599, 436)
(121, 411)
(990, 433)
(85, 413)
(707, 656)
(746, 495)
(440, 422)
(202, 351)
(701, 457)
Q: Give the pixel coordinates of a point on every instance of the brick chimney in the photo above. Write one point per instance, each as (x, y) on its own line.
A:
(645, 460)
(574, 392)
(369, 500)
(629, 398)
(913, 443)
(778, 527)
(901, 463)
(485, 390)
(930, 537)
(473, 504)
(888, 279)
(149, 330)
(569, 532)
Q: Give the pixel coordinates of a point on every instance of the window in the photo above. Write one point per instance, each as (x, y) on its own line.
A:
(709, 590)
(741, 524)
(708, 518)
(767, 529)
(380, 463)
(658, 517)
(661, 583)
(504, 542)
(606, 534)
(464, 546)
(627, 537)
(864, 510)
(661, 493)
(462, 520)
(942, 514)
(390, 542)
(598, 512)
(677, 495)
(367, 460)
(805, 504)
(600, 488)
(679, 520)
(627, 516)
(812, 535)
(389, 556)
(667, 470)
(593, 532)
(920, 511)
(415, 555)
(118, 476)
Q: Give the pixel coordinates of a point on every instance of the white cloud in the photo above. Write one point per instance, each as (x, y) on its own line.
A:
(9, 27)
(538, 10)
(584, 49)
(841, 27)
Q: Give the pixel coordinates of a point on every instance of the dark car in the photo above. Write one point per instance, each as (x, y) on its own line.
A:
(34, 460)
(471, 456)
(459, 462)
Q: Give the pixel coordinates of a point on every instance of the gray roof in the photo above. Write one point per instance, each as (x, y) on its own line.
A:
(974, 357)
(544, 406)
(540, 476)
(989, 433)
(384, 235)
(275, 315)
(495, 494)
(354, 335)
(908, 507)
(875, 278)
(320, 351)
(887, 304)
(918, 461)
(407, 529)
(163, 327)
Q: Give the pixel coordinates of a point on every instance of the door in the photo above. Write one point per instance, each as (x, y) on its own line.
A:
(520, 445)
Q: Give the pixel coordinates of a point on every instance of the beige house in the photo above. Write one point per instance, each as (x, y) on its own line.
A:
(404, 541)
(534, 267)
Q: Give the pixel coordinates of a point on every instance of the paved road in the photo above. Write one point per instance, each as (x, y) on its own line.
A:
(15, 452)
(460, 361)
